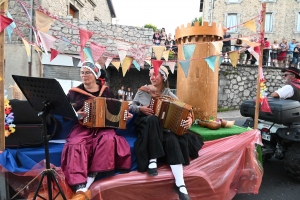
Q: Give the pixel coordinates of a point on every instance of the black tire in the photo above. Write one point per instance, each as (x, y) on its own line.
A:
(292, 161)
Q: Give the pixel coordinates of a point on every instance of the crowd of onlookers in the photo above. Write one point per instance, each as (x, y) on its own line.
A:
(125, 95)
(161, 38)
(281, 54)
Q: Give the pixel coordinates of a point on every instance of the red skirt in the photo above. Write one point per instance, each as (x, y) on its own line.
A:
(93, 150)
(281, 56)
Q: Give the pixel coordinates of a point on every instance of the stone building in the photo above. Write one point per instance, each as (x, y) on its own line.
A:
(282, 16)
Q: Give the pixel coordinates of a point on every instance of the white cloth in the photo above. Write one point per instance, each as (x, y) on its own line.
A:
(285, 92)
(121, 92)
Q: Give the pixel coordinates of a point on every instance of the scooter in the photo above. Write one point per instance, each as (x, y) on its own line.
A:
(280, 137)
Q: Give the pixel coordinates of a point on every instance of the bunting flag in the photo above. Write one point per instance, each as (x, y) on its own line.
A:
(250, 25)
(61, 46)
(37, 48)
(185, 65)
(221, 58)
(84, 37)
(83, 56)
(136, 64)
(261, 74)
(97, 51)
(156, 64)
(4, 22)
(211, 61)
(66, 40)
(88, 53)
(9, 28)
(158, 51)
(25, 10)
(27, 47)
(54, 53)
(188, 51)
(126, 64)
(171, 66)
(75, 61)
(122, 48)
(234, 57)
(166, 55)
(218, 46)
(139, 55)
(101, 61)
(248, 42)
(43, 21)
(116, 64)
(107, 62)
(148, 61)
(254, 53)
(47, 41)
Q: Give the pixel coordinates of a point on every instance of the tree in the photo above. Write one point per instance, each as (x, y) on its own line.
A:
(150, 26)
(197, 20)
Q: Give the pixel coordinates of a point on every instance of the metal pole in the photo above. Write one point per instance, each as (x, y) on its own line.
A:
(30, 40)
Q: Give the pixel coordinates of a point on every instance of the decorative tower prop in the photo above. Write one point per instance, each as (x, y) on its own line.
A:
(197, 83)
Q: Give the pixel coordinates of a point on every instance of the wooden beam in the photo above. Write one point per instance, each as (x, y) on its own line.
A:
(3, 6)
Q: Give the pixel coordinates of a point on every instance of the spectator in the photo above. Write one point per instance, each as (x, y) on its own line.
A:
(226, 45)
(121, 93)
(266, 51)
(156, 38)
(238, 43)
(296, 55)
(169, 42)
(289, 53)
(274, 53)
(283, 47)
(163, 36)
(129, 94)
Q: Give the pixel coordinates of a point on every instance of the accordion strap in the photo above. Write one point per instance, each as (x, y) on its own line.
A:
(81, 91)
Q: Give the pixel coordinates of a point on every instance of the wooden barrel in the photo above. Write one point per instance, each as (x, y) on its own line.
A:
(200, 87)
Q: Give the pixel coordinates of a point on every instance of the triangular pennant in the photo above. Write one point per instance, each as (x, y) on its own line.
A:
(84, 37)
(54, 53)
(66, 40)
(251, 44)
(158, 51)
(234, 57)
(250, 25)
(166, 55)
(116, 64)
(27, 47)
(43, 22)
(171, 66)
(221, 58)
(107, 62)
(9, 31)
(37, 48)
(139, 55)
(88, 53)
(47, 41)
(13, 24)
(148, 61)
(265, 106)
(156, 64)
(75, 61)
(97, 51)
(211, 61)
(122, 47)
(254, 53)
(185, 65)
(136, 64)
(188, 51)
(126, 64)
(4, 22)
(218, 46)
(83, 56)
(61, 46)
(101, 61)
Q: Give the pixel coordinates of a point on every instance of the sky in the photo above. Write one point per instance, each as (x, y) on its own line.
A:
(168, 14)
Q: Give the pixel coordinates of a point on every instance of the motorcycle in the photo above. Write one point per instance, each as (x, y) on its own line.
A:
(280, 132)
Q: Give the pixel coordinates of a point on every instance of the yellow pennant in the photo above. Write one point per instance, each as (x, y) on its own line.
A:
(43, 22)
(27, 47)
(126, 64)
(116, 64)
(218, 46)
(37, 48)
(234, 57)
(250, 25)
(148, 61)
(158, 51)
(166, 55)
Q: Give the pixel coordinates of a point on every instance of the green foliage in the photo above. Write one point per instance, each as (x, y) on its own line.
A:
(171, 54)
(197, 20)
(150, 26)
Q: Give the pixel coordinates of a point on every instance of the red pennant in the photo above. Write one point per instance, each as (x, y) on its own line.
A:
(4, 22)
(156, 64)
(84, 37)
(97, 51)
(54, 53)
(265, 106)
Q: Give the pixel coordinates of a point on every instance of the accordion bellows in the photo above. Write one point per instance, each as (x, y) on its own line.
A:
(105, 112)
(171, 113)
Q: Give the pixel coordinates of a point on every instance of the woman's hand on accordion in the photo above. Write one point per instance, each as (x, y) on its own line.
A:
(129, 116)
(188, 122)
(81, 114)
(146, 110)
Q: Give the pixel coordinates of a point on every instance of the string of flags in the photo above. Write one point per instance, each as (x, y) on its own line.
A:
(127, 53)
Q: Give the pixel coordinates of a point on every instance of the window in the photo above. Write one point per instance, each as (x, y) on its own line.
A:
(232, 1)
(231, 21)
(298, 22)
(73, 11)
(269, 22)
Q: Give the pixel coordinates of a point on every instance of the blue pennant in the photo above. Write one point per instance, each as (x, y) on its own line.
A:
(136, 64)
(211, 61)
(188, 51)
(88, 52)
(185, 65)
(221, 58)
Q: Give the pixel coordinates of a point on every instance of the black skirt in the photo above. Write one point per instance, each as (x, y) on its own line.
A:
(155, 142)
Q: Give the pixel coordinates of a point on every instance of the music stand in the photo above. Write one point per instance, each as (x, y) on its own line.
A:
(46, 96)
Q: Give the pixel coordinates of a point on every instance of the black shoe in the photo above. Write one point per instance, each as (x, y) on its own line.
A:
(181, 195)
(153, 171)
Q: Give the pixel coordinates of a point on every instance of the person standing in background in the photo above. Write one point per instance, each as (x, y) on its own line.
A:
(274, 53)
(163, 36)
(129, 94)
(266, 51)
(156, 38)
(121, 93)
(226, 45)
(289, 53)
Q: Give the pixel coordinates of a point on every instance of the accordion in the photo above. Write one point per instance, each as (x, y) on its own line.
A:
(171, 113)
(105, 112)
